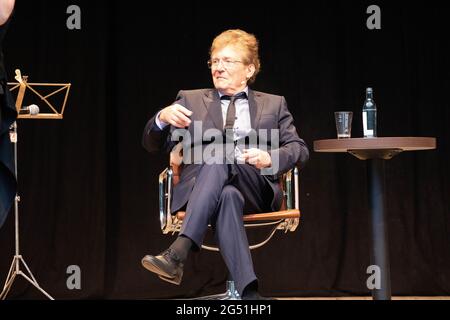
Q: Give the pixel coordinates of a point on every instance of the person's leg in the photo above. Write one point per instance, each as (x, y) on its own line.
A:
(255, 189)
(231, 237)
(203, 201)
(200, 208)
(247, 192)
(182, 246)
(205, 196)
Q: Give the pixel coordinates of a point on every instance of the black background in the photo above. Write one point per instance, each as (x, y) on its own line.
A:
(89, 189)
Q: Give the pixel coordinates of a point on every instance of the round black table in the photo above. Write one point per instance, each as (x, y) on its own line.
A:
(375, 150)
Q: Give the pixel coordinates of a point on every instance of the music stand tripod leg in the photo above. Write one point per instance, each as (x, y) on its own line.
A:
(9, 280)
(34, 282)
(14, 270)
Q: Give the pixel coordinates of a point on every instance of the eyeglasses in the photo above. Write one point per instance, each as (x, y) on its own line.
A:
(227, 64)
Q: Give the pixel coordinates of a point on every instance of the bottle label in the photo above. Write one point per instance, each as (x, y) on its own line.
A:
(368, 123)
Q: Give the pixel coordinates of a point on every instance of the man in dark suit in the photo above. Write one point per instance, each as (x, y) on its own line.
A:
(8, 115)
(226, 182)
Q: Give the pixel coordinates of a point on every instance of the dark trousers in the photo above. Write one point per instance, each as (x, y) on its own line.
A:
(221, 195)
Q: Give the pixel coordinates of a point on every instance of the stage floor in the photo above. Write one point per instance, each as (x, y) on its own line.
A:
(368, 298)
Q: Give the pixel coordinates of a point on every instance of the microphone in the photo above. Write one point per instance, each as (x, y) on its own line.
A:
(32, 110)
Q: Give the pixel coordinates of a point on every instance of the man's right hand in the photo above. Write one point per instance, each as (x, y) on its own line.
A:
(176, 115)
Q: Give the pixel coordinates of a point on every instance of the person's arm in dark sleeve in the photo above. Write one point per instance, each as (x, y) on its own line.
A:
(157, 134)
(292, 150)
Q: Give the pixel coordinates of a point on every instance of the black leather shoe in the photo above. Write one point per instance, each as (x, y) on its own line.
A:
(166, 265)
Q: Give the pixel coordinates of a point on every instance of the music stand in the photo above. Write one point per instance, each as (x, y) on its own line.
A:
(22, 85)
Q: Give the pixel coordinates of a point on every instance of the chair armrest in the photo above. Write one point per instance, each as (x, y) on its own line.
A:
(165, 197)
(290, 188)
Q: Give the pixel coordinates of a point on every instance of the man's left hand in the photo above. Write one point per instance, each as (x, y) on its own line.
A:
(259, 158)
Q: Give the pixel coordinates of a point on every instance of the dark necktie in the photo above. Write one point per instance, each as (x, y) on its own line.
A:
(231, 111)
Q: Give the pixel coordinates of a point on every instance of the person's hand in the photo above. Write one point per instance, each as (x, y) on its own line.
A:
(176, 115)
(259, 158)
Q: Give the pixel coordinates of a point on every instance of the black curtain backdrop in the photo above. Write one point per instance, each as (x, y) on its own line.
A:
(89, 189)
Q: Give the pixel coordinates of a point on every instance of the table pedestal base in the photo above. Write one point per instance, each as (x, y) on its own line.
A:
(378, 226)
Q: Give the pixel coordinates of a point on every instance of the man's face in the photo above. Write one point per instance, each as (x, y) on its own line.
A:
(229, 73)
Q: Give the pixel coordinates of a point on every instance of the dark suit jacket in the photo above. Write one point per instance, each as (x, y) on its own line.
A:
(8, 115)
(267, 111)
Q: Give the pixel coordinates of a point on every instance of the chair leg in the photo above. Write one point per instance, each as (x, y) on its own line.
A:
(230, 294)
